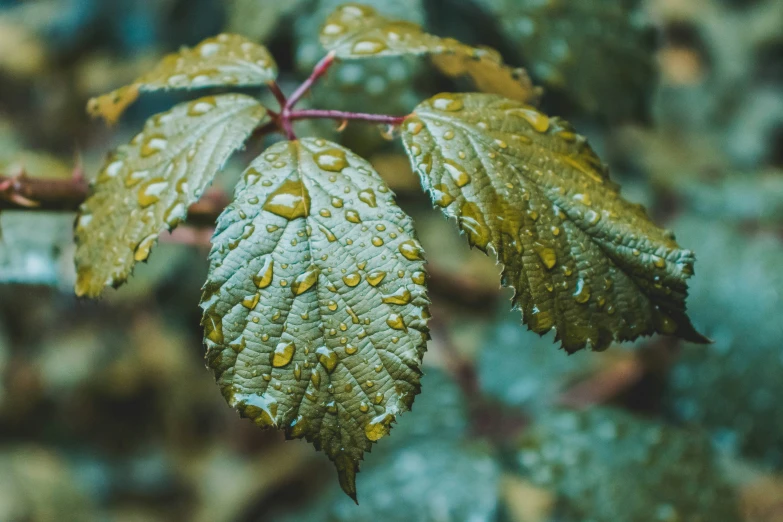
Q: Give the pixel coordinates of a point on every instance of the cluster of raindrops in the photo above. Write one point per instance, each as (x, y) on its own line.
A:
(145, 187)
(339, 309)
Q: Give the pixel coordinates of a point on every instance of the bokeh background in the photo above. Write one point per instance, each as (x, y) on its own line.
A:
(107, 412)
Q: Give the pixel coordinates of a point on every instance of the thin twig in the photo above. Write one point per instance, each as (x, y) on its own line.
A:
(341, 116)
(278, 94)
(319, 70)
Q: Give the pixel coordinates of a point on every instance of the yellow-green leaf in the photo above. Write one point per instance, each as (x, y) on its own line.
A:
(580, 258)
(146, 187)
(358, 31)
(226, 60)
(315, 309)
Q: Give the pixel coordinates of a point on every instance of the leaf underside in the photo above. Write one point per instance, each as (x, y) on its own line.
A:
(226, 60)
(358, 31)
(146, 187)
(596, 51)
(525, 186)
(315, 308)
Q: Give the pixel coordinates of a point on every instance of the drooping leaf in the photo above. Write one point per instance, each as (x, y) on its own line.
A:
(315, 310)
(146, 187)
(609, 466)
(357, 31)
(598, 52)
(580, 258)
(226, 60)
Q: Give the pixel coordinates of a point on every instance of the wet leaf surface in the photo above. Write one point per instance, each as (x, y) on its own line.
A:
(609, 466)
(598, 52)
(226, 60)
(581, 259)
(315, 309)
(146, 187)
(357, 31)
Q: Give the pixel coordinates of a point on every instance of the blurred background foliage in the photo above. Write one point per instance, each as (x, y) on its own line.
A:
(107, 412)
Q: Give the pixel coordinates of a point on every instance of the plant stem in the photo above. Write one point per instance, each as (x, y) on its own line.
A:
(318, 71)
(341, 115)
(278, 94)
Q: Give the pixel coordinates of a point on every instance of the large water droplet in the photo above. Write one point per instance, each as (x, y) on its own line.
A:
(378, 427)
(264, 277)
(352, 279)
(582, 292)
(290, 200)
(305, 281)
(352, 216)
(369, 46)
(472, 221)
(375, 278)
(460, 177)
(547, 255)
(213, 327)
(537, 120)
(283, 354)
(411, 250)
(441, 197)
(143, 249)
(367, 196)
(401, 297)
(327, 358)
(396, 322)
(447, 102)
(332, 160)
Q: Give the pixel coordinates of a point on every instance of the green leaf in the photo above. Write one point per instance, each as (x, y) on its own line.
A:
(598, 52)
(315, 309)
(226, 60)
(609, 466)
(146, 187)
(525, 186)
(357, 31)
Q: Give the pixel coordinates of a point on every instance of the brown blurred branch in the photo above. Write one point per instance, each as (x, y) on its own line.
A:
(20, 192)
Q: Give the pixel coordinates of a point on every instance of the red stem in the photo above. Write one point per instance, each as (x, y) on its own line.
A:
(318, 71)
(341, 115)
(278, 94)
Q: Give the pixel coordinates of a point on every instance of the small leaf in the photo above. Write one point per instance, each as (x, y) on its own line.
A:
(357, 31)
(597, 52)
(315, 310)
(581, 259)
(146, 187)
(222, 61)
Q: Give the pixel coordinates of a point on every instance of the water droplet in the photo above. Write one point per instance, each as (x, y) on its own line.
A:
(369, 46)
(333, 29)
(441, 197)
(448, 135)
(414, 127)
(352, 216)
(213, 327)
(460, 177)
(540, 321)
(447, 102)
(378, 427)
(472, 221)
(352, 279)
(396, 322)
(375, 278)
(547, 255)
(332, 160)
(331, 305)
(142, 251)
(337, 202)
(290, 200)
(367, 196)
(325, 213)
(251, 301)
(328, 233)
(411, 251)
(283, 354)
(327, 358)
(538, 121)
(153, 144)
(305, 281)
(582, 292)
(401, 297)
(659, 262)
(419, 277)
(376, 241)
(150, 193)
(264, 277)
(202, 106)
